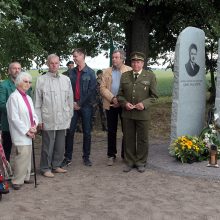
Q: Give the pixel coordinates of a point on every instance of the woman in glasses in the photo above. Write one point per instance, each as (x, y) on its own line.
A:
(22, 124)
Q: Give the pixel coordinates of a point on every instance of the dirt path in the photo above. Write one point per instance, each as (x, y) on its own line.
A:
(101, 192)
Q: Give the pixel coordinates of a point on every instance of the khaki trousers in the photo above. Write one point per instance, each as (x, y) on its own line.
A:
(136, 141)
(22, 165)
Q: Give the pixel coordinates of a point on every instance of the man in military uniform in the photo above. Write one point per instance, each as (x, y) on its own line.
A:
(136, 93)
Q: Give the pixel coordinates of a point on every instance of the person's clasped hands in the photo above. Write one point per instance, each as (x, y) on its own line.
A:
(32, 131)
(139, 106)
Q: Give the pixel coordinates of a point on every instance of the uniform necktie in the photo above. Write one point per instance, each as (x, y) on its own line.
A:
(135, 76)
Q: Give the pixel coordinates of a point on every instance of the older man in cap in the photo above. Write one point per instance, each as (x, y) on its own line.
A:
(136, 94)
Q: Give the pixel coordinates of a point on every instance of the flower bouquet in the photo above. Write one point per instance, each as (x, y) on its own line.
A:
(189, 149)
(210, 136)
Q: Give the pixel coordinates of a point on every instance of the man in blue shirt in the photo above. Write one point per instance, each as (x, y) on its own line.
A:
(109, 89)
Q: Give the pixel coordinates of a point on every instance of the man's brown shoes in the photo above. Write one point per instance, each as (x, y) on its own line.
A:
(48, 174)
(59, 170)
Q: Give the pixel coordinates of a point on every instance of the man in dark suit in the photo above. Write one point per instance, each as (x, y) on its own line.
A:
(192, 67)
(136, 93)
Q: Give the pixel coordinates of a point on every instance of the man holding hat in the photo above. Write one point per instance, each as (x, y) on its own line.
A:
(136, 93)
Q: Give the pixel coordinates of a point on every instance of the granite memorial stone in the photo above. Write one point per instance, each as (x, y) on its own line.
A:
(189, 87)
(217, 97)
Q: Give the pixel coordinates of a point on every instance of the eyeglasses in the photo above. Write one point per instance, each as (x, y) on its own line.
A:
(26, 81)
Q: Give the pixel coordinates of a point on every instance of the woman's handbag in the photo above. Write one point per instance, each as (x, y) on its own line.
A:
(4, 189)
(7, 171)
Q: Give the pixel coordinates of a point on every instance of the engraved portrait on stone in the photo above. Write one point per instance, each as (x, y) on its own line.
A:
(192, 67)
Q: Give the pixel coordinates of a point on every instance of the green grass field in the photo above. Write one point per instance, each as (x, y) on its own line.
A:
(164, 80)
(35, 74)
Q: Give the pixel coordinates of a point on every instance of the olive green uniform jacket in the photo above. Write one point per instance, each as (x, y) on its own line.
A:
(142, 90)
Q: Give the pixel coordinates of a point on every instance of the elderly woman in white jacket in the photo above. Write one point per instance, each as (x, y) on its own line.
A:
(22, 124)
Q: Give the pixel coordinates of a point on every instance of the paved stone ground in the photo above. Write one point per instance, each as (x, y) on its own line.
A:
(159, 158)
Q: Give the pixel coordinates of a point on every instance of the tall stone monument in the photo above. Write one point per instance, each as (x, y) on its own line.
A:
(189, 87)
(217, 98)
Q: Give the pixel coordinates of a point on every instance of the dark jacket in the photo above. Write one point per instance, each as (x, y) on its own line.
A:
(6, 88)
(192, 71)
(142, 90)
(87, 85)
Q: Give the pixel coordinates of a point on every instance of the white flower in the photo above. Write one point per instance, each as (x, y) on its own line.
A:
(214, 131)
(206, 134)
(216, 116)
(211, 126)
(206, 139)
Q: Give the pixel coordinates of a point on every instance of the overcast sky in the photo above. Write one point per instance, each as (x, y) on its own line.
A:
(98, 62)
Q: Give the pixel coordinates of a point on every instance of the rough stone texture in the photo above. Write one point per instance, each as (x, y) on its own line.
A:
(217, 98)
(189, 88)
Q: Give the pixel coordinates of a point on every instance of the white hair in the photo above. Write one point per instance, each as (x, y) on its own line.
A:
(51, 56)
(21, 77)
(122, 53)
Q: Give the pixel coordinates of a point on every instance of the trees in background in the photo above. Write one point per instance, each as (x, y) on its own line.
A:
(33, 29)
(16, 42)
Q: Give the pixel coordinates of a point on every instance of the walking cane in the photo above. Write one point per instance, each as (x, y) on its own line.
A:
(34, 164)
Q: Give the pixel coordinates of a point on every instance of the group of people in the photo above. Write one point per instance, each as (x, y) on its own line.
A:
(61, 99)
(127, 94)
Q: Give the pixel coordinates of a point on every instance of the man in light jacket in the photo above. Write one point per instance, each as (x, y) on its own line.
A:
(54, 108)
(109, 89)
